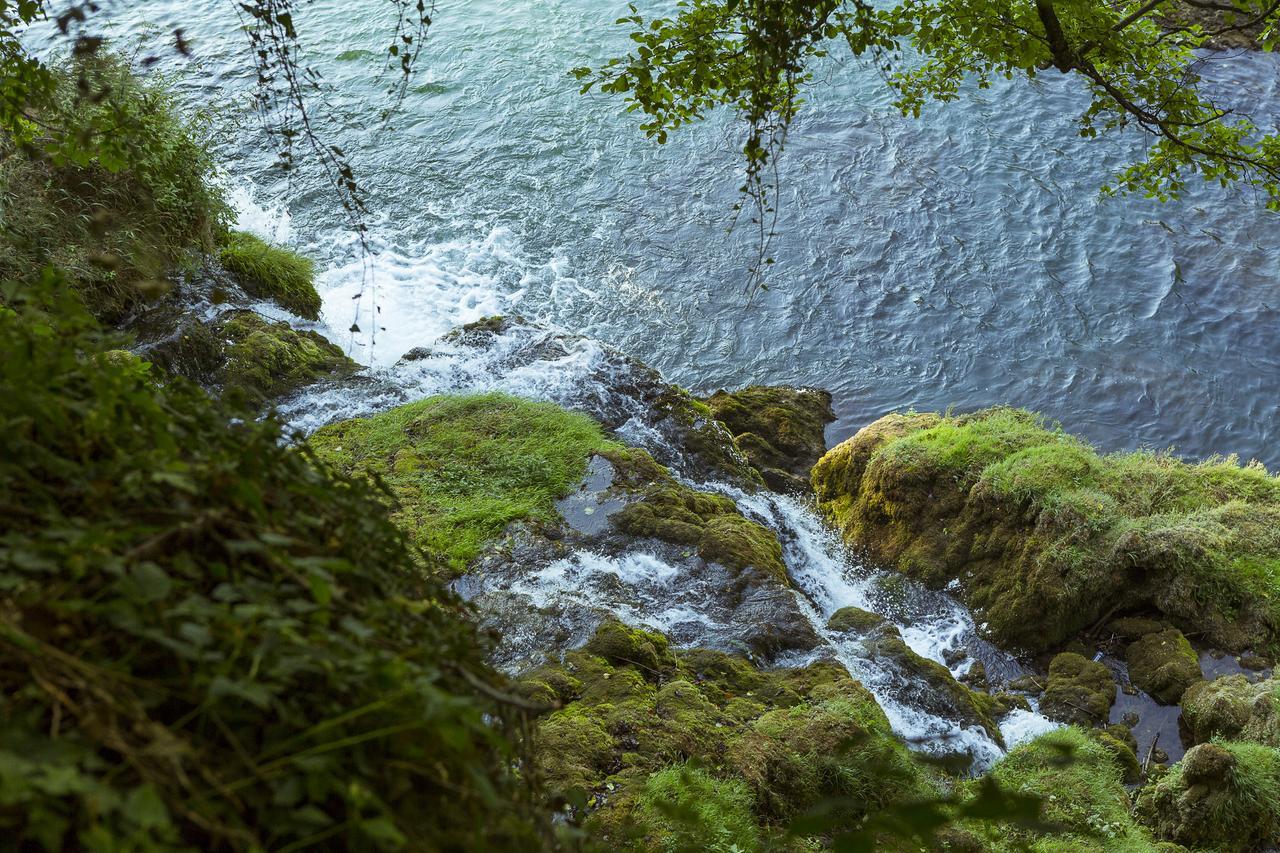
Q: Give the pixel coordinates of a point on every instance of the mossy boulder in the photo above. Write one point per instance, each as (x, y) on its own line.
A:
(854, 620)
(462, 468)
(781, 431)
(663, 508)
(272, 272)
(1045, 535)
(622, 645)
(1221, 796)
(266, 359)
(765, 743)
(931, 683)
(1081, 791)
(1234, 708)
(1079, 690)
(1164, 665)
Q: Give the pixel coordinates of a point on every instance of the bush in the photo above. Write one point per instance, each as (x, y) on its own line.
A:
(116, 190)
(208, 640)
(272, 272)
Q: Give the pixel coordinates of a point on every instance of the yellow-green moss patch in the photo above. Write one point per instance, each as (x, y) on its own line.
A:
(464, 467)
(1047, 535)
(272, 272)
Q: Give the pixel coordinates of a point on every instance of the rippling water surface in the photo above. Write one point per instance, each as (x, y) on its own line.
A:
(963, 260)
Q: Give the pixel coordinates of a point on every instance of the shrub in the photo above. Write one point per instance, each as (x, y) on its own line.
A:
(116, 192)
(208, 640)
(272, 272)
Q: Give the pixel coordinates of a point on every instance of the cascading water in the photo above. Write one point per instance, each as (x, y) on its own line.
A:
(652, 589)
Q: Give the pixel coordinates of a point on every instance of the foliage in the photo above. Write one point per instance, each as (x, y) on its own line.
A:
(1048, 534)
(210, 641)
(756, 57)
(462, 468)
(685, 808)
(114, 189)
(272, 272)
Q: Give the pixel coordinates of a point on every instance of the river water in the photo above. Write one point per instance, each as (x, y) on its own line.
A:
(963, 259)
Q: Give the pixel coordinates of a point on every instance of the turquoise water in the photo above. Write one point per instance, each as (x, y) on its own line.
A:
(964, 259)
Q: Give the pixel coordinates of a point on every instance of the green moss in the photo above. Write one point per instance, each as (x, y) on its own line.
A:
(1235, 709)
(781, 431)
(839, 747)
(463, 468)
(685, 808)
(786, 739)
(1046, 534)
(1081, 791)
(1221, 796)
(1080, 691)
(854, 620)
(622, 645)
(668, 510)
(265, 359)
(272, 272)
(1164, 665)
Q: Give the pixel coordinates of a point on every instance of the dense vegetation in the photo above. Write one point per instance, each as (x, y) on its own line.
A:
(209, 640)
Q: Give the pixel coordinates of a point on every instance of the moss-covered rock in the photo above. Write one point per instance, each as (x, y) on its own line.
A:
(622, 645)
(1082, 794)
(775, 741)
(266, 359)
(1079, 691)
(462, 468)
(1234, 708)
(1046, 536)
(1164, 665)
(854, 620)
(272, 272)
(663, 508)
(932, 684)
(1221, 796)
(780, 430)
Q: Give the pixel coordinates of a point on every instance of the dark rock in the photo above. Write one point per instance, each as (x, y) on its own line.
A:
(854, 620)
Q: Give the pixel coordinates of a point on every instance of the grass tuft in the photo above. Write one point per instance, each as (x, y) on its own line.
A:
(273, 272)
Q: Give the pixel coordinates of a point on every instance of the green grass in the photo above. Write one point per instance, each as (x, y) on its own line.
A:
(272, 272)
(1082, 795)
(463, 467)
(685, 808)
(120, 195)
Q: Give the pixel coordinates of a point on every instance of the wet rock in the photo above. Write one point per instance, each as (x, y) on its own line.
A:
(930, 683)
(1219, 797)
(781, 431)
(1027, 684)
(1164, 665)
(1234, 708)
(854, 620)
(1079, 691)
(1254, 663)
(976, 676)
(951, 657)
(1135, 627)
